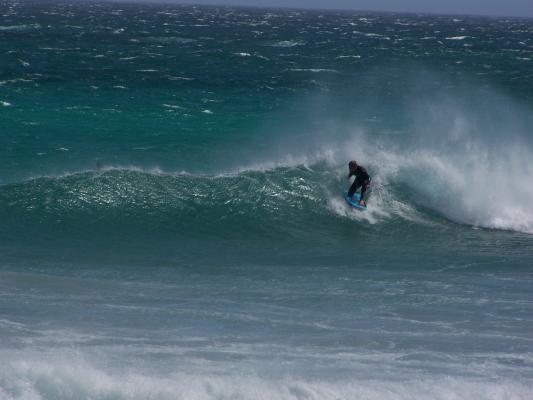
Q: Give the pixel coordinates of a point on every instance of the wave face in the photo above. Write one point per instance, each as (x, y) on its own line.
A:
(171, 217)
(278, 202)
(462, 178)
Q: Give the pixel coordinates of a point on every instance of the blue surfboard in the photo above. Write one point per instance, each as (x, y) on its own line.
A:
(354, 201)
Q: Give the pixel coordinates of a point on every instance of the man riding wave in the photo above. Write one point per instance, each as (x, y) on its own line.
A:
(362, 180)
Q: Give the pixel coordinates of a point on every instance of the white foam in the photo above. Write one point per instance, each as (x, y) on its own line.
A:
(20, 27)
(180, 78)
(288, 43)
(376, 35)
(155, 170)
(314, 70)
(466, 176)
(73, 377)
(456, 37)
(173, 106)
(373, 214)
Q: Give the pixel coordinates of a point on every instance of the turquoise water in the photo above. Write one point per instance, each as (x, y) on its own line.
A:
(171, 215)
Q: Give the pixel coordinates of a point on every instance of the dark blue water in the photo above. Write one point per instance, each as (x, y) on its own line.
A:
(171, 217)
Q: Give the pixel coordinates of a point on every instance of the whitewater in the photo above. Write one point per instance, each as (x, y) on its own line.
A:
(172, 223)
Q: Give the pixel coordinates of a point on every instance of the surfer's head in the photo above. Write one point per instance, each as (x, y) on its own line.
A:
(352, 165)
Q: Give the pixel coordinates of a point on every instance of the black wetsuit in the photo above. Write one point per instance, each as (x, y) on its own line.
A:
(362, 180)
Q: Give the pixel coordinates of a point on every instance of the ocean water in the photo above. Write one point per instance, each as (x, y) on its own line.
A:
(171, 218)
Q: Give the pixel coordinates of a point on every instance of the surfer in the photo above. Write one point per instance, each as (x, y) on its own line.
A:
(362, 180)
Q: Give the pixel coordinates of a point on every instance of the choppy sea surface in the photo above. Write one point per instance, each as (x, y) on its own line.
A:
(171, 218)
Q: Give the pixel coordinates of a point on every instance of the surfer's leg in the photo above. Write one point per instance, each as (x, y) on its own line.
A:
(365, 191)
(355, 185)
